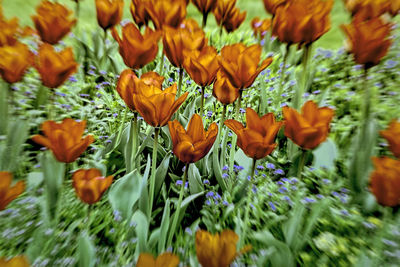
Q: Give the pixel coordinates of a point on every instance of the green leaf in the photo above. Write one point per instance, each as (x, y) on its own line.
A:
(161, 173)
(86, 255)
(34, 179)
(142, 230)
(164, 227)
(244, 161)
(325, 155)
(195, 183)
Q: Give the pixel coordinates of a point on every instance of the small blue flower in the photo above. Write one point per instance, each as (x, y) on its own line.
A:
(210, 194)
(272, 206)
(179, 182)
(279, 171)
(270, 166)
(206, 181)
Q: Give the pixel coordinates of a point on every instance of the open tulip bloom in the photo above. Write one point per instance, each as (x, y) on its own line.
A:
(7, 192)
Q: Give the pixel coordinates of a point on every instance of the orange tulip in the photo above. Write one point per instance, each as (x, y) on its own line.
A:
(302, 21)
(152, 78)
(52, 21)
(311, 127)
(392, 135)
(136, 49)
(167, 12)
(223, 10)
(191, 25)
(192, 144)
(240, 64)
(367, 9)
(217, 250)
(385, 181)
(8, 31)
(369, 40)
(109, 12)
(223, 90)
(163, 260)
(176, 41)
(205, 6)
(272, 5)
(15, 60)
(257, 139)
(18, 261)
(139, 13)
(64, 139)
(202, 66)
(7, 193)
(260, 27)
(155, 105)
(55, 67)
(394, 7)
(90, 185)
(234, 20)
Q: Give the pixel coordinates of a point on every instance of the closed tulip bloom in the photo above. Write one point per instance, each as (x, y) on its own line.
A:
(166, 259)
(125, 87)
(55, 67)
(192, 144)
(167, 12)
(139, 12)
(205, 6)
(7, 192)
(234, 20)
(136, 49)
(385, 181)
(367, 9)
(155, 105)
(90, 185)
(15, 60)
(311, 127)
(272, 5)
(257, 140)
(260, 27)
(109, 12)
(223, 90)
(223, 10)
(302, 21)
(52, 21)
(369, 40)
(64, 139)
(18, 261)
(241, 64)
(176, 41)
(202, 66)
(217, 250)
(392, 135)
(8, 31)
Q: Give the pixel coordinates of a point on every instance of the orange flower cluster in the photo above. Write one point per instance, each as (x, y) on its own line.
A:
(392, 135)
(385, 181)
(90, 185)
(311, 127)
(64, 139)
(136, 49)
(368, 40)
(165, 260)
(302, 21)
(52, 21)
(257, 140)
(15, 60)
(7, 192)
(272, 5)
(228, 16)
(192, 144)
(109, 12)
(260, 27)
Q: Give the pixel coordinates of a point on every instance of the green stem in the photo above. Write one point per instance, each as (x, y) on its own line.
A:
(202, 102)
(3, 109)
(221, 31)
(234, 138)
(178, 207)
(51, 106)
(367, 99)
(180, 83)
(161, 68)
(247, 210)
(301, 89)
(204, 21)
(302, 162)
(131, 164)
(153, 170)
(88, 219)
(282, 79)
(216, 148)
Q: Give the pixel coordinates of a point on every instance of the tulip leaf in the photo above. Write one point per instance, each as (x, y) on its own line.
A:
(86, 255)
(217, 169)
(195, 183)
(161, 173)
(244, 161)
(34, 179)
(125, 192)
(325, 155)
(164, 227)
(144, 193)
(139, 219)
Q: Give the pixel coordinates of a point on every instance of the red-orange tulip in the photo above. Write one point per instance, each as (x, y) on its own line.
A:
(311, 127)
(394, 7)
(55, 67)
(240, 64)
(234, 20)
(192, 144)
(260, 27)
(202, 66)
(136, 49)
(367, 9)
(223, 10)
(257, 140)
(64, 139)
(8, 31)
(205, 6)
(15, 60)
(52, 21)
(109, 12)
(369, 40)
(302, 21)
(163, 260)
(223, 90)
(385, 181)
(167, 12)
(18, 261)
(139, 13)
(7, 192)
(272, 5)
(176, 41)
(155, 105)
(90, 185)
(392, 135)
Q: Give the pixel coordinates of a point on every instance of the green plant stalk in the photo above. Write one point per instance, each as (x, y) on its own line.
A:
(217, 148)
(202, 102)
(51, 106)
(161, 67)
(121, 128)
(247, 210)
(180, 83)
(134, 135)
(3, 109)
(302, 162)
(153, 170)
(301, 89)
(282, 79)
(178, 207)
(386, 219)
(234, 138)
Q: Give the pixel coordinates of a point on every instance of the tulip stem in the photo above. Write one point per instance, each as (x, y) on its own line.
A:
(204, 21)
(302, 162)
(282, 79)
(131, 163)
(202, 102)
(247, 211)
(153, 170)
(161, 69)
(221, 182)
(3, 110)
(234, 138)
(178, 207)
(180, 83)
(302, 87)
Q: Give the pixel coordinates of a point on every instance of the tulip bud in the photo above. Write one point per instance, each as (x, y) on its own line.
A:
(7, 192)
